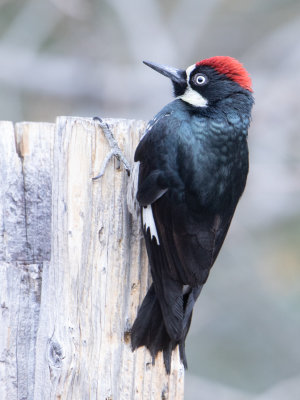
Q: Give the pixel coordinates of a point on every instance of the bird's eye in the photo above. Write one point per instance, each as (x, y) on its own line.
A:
(200, 79)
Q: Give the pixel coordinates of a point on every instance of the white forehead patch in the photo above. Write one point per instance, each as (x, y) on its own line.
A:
(190, 95)
(189, 70)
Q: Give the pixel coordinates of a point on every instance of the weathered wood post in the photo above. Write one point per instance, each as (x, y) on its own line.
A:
(72, 274)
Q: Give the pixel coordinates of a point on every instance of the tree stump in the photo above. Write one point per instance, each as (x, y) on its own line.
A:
(73, 268)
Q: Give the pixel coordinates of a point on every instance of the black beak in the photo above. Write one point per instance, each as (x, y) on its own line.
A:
(176, 75)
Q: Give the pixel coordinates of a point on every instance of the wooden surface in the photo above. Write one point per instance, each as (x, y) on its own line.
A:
(69, 294)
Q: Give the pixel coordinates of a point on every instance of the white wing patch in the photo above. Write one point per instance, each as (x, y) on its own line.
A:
(148, 222)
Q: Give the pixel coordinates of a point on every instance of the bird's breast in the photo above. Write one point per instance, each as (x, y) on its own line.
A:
(217, 170)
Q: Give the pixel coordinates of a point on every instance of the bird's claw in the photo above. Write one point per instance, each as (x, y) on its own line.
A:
(115, 150)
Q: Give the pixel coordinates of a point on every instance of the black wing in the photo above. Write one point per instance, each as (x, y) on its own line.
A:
(181, 260)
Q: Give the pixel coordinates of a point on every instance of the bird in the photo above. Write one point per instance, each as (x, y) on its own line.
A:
(192, 169)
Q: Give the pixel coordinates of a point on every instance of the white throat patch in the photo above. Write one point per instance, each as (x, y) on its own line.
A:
(190, 95)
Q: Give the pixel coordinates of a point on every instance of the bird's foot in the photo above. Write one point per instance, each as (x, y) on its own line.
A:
(114, 152)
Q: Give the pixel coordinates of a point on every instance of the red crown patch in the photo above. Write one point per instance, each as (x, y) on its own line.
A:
(230, 67)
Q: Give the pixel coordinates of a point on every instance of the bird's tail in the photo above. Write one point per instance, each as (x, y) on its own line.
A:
(149, 330)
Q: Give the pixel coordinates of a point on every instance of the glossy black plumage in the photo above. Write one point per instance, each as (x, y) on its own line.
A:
(193, 170)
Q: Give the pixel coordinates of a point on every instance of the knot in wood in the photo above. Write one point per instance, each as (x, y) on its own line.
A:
(55, 354)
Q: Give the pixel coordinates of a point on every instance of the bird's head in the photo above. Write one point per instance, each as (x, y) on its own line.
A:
(208, 81)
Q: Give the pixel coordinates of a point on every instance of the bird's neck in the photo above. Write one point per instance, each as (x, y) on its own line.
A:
(239, 103)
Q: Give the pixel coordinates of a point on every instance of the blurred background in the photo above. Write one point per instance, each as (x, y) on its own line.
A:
(84, 58)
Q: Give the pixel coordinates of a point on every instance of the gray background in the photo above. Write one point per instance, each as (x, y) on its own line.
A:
(83, 57)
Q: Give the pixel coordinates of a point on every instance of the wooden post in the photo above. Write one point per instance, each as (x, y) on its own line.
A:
(70, 289)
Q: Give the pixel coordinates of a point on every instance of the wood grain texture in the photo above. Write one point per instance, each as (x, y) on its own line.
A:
(25, 233)
(69, 291)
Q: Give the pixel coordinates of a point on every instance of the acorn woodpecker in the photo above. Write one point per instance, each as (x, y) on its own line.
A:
(193, 165)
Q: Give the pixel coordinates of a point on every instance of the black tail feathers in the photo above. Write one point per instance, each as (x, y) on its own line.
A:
(149, 330)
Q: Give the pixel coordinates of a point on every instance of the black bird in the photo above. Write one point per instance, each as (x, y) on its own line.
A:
(193, 169)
